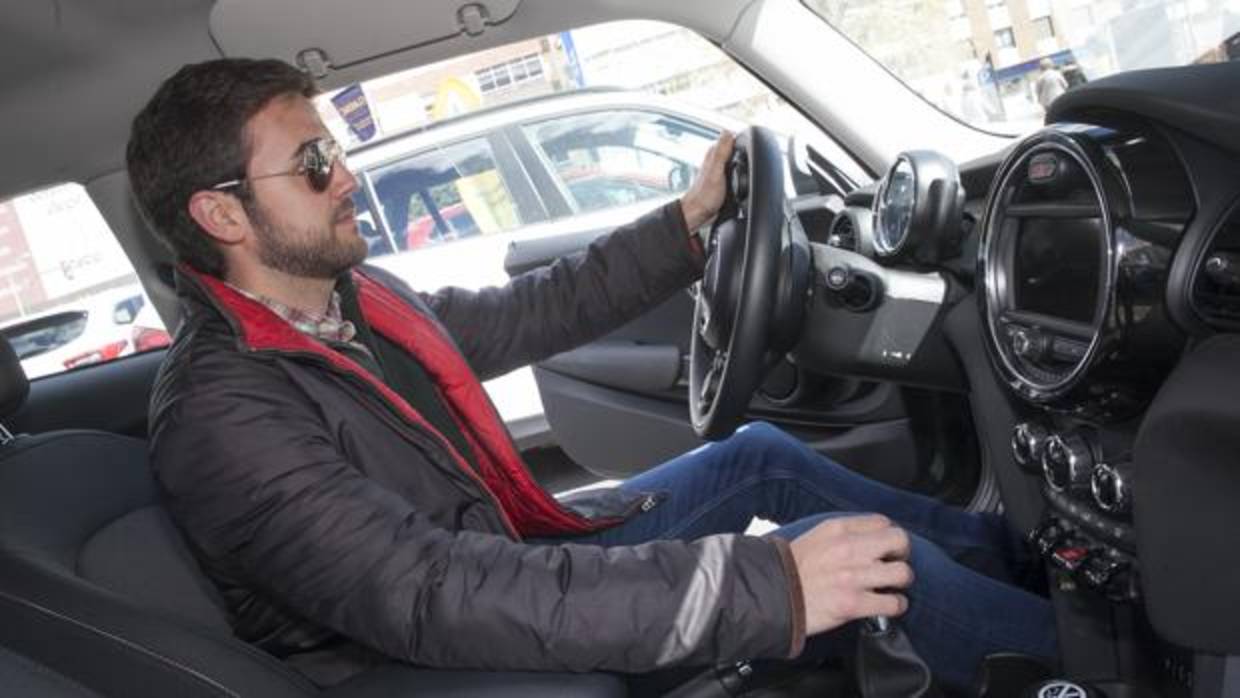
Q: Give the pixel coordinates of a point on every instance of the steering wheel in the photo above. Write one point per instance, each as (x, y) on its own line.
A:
(751, 298)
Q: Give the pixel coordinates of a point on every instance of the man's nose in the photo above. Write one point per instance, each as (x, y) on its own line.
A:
(344, 182)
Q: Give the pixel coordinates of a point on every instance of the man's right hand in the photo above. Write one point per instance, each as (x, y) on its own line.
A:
(849, 569)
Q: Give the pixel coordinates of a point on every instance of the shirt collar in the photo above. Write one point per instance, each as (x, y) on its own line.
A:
(329, 327)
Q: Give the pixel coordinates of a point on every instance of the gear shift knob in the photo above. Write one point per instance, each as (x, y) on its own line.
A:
(877, 625)
(887, 664)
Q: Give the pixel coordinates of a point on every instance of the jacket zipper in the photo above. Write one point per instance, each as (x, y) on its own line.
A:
(591, 524)
(404, 422)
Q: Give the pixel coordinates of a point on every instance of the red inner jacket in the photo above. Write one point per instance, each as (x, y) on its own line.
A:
(527, 508)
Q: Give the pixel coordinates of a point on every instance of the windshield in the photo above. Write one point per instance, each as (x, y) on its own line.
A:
(997, 64)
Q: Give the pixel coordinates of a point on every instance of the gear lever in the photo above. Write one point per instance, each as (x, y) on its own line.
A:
(887, 664)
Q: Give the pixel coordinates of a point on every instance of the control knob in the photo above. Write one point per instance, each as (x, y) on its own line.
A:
(1223, 268)
(1048, 535)
(1112, 487)
(1029, 443)
(857, 290)
(1068, 462)
(1028, 343)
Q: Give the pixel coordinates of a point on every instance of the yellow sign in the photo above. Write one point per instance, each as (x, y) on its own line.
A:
(478, 192)
(453, 98)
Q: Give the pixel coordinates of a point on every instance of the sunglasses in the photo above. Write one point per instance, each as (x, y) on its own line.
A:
(318, 162)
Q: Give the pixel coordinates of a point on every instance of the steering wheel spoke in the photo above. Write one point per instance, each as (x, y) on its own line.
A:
(710, 383)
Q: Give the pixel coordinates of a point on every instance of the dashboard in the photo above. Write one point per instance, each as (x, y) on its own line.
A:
(1085, 266)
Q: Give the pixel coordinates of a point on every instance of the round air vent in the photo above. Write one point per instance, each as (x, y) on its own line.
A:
(851, 230)
(1216, 284)
(843, 234)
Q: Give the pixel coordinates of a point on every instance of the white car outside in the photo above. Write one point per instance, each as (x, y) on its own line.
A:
(620, 190)
(89, 331)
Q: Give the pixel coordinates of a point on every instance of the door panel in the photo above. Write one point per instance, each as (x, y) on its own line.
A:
(111, 396)
(619, 405)
(618, 434)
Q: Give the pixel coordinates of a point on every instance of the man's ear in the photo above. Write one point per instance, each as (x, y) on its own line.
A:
(221, 215)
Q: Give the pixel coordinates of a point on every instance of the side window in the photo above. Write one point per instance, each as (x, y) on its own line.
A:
(444, 194)
(68, 295)
(608, 159)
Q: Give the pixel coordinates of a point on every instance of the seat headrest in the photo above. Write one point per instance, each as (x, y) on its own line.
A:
(13, 384)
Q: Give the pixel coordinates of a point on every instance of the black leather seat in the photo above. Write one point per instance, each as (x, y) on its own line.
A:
(97, 585)
(22, 677)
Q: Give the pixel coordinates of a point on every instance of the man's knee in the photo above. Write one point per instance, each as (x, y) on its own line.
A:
(777, 448)
(764, 437)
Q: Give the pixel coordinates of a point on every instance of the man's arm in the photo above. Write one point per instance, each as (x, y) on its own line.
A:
(584, 296)
(260, 486)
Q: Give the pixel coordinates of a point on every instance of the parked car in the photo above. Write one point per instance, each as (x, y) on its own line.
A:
(443, 204)
(474, 184)
(90, 331)
(147, 333)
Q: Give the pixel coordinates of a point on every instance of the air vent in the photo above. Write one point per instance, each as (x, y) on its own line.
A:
(843, 233)
(1216, 290)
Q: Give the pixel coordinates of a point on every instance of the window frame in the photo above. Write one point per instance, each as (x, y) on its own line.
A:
(1045, 20)
(1010, 33)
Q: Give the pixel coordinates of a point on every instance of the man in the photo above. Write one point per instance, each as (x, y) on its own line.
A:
(323, 441)
(1050, 84)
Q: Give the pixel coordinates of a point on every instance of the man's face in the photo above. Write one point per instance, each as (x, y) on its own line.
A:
(297, 230)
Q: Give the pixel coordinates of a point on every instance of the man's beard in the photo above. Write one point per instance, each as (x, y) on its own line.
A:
(308, 253)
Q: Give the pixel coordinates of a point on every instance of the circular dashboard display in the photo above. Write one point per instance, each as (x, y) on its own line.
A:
(895, 208)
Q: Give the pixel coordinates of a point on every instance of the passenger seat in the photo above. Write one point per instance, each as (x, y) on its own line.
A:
(97, 585)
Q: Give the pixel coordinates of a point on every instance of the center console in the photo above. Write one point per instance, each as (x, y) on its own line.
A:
(1078, 240)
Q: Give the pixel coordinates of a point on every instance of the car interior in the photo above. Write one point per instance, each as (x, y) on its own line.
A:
(1041, 326)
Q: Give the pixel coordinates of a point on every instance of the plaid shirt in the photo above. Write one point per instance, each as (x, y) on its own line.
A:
(331, 327)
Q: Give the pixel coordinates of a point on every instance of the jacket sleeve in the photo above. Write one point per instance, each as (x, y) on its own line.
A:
(267, 494)
(574, 300)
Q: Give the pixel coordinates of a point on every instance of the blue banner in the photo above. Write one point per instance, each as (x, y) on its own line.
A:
(352, 105)
(572, 63)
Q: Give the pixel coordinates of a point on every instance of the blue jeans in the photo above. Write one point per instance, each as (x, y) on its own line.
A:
(965, 603)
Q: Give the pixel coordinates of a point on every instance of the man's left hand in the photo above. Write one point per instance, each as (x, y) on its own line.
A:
(704, 198)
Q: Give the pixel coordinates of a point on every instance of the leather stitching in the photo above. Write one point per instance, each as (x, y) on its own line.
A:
(124, 643)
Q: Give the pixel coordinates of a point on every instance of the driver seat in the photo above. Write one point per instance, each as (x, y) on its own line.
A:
(97, 585)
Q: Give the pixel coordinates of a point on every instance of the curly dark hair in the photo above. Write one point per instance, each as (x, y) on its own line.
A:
(191, 136)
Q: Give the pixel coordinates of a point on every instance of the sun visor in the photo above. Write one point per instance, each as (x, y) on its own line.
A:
(329, 34)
